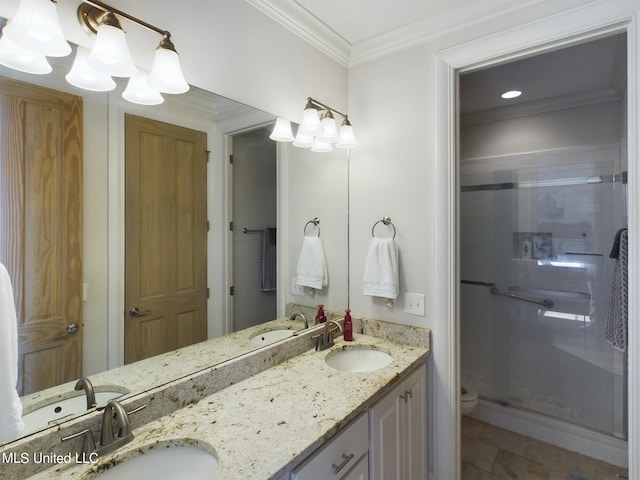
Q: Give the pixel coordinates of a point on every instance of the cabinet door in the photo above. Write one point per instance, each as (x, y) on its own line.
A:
(386, 437)
(415, 437)
(360, 471)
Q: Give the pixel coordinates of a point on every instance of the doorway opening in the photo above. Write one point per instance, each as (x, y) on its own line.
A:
(543, 194)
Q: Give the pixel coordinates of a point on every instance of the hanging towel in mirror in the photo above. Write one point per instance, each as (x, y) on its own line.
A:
(312, 267)
(10, 407)
(268, 279)
(381, 273)
(617, 316)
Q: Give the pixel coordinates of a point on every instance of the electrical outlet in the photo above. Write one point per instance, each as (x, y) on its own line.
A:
(295, 288)
(414, 303)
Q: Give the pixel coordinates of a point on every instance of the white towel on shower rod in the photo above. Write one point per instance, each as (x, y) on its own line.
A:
(312, 267)
(381, 272)
(11, 424)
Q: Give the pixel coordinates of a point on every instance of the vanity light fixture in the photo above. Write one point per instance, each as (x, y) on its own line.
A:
(318, 129)
(34, 33)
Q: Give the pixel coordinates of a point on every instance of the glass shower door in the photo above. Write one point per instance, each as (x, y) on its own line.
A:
(548, 228)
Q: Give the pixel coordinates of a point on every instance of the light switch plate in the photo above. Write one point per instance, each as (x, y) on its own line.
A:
(295, 288)
(414, 303)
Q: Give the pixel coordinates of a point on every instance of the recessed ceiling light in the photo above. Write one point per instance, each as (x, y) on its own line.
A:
(511, 94)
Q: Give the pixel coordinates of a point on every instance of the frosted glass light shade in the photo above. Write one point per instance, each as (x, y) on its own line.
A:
(282, 131)
(83, 76)
(329, 130)
(35, 27)
(347, 138)
(17, 58)
(166, 74)
(303, 141)
(320, 146)
(110, 53)
(311, 122)
(139, 91)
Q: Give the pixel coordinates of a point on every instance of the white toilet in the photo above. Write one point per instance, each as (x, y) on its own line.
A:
(468, 399)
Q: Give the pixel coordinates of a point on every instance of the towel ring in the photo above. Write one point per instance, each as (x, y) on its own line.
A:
(315, 222)
(386, 221)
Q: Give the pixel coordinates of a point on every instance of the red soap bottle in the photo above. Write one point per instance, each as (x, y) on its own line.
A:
(321, 317)
(347, 336)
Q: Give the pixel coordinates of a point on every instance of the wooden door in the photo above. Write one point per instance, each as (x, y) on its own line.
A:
(165, 239)
(41, 228)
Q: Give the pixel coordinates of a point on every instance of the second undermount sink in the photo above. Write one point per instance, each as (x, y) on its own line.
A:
(166, 463)
(358, 359)
(265, 338)
(56, 410)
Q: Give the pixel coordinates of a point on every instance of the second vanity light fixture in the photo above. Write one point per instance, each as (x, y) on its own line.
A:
(318, 130)
(34, 34)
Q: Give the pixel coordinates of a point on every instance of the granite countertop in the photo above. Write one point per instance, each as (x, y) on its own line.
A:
(265, 425)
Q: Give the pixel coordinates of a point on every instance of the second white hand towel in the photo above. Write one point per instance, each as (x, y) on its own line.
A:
(381, 273)
(11, 424)
(312, 267)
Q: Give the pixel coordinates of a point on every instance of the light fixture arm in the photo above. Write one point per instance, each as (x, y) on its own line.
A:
(326, 107)
(106, 8)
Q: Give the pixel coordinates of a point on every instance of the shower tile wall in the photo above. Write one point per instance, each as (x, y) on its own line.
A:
(553, 361)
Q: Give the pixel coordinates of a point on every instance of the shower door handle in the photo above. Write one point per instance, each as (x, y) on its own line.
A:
(545, 302)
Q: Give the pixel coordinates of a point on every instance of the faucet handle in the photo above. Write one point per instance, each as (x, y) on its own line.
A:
(88, 443)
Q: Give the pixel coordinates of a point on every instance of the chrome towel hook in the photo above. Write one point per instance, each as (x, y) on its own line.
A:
(315, 222)
(385, 221)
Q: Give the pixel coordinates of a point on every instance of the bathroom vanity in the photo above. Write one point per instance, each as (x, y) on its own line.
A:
(280, 410)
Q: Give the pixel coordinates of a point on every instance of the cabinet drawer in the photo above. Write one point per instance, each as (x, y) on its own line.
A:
(344, 450)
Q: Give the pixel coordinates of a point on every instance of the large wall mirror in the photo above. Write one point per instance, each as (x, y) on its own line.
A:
(268, 187)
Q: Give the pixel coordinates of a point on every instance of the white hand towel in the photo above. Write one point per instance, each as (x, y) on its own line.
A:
(312, 267)
(381, 274)
(10, 407)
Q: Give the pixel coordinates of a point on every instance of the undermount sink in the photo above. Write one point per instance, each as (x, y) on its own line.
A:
(358, 359)
(58, 409)
(166, 463)
(265, 338)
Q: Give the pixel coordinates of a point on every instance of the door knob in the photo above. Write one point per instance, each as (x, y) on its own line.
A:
(134, 312)
(71, 329)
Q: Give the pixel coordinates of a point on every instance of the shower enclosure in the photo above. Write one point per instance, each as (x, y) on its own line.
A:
(536, 232)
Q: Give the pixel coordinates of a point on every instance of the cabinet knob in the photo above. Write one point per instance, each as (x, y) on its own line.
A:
(407, 395)
(345, 459)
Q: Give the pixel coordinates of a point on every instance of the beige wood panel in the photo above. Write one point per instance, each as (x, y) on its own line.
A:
(165, 240)
(41, 228)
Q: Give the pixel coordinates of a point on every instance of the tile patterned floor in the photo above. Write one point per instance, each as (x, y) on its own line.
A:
(492, 453)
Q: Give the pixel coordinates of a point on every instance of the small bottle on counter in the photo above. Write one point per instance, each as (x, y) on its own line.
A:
(347, 325)
(320, 316)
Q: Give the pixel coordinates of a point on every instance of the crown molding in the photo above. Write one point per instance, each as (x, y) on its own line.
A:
(430, 28)
(301, 22)
(542, 106)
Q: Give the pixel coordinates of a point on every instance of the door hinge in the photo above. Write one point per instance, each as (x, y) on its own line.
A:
(231, 159)
(208, 155)
(208, 292)
(208, 225)
(232, 290)
(231, 226)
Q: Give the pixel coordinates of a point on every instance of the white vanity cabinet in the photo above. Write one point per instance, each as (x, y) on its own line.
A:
(398, 429)
(344, 458)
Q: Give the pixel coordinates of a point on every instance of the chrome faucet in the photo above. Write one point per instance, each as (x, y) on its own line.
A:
(325, 338)
(107, 441)
(300, 315)
(85, 384)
